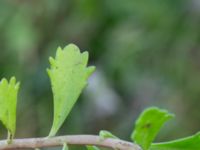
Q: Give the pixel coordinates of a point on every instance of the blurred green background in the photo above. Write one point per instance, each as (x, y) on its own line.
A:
(147, 52)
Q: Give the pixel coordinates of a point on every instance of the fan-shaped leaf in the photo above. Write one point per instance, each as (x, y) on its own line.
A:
(68, 74)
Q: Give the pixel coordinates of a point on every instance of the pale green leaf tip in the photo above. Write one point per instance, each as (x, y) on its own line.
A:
(17, 85)
(14, 83)
(4, 82)
(72, 45)
(12, 80)
(59, 52)
(52, 61)
(85, 56)
(59, 49)
(90, 70)
(72, 48)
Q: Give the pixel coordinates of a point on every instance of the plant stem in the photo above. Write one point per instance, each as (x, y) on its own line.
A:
(69, 139)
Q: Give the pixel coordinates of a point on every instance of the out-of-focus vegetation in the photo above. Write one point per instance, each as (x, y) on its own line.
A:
(146, 53)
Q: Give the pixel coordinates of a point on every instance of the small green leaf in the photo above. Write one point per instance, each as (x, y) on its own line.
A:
(68, 74)
(92, 148)
(148, 125)
(8, 103)
(65, 147)
(106, 134)
(188, 143)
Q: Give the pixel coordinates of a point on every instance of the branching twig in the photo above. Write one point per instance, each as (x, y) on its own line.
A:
(71, 140)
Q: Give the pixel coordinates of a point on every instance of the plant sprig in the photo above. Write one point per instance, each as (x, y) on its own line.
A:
(69, 75)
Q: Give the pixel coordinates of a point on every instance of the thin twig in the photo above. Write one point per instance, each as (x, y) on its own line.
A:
(111, 143)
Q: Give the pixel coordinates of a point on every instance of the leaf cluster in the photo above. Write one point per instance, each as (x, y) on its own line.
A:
(69, 74)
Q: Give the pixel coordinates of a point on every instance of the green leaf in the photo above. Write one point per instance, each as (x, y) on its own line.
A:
(106, 134)
(92, 148)
(188, 143)
(8, 103)
(148, 125)
(68, 74)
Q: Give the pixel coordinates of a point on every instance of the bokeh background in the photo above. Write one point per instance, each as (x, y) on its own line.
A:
(147, 53)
